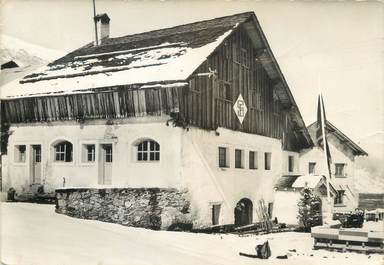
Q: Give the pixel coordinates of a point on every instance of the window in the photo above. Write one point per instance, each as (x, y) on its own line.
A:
(216, 213)
(270, 209)
(108, 152)
(257, 101)
(20, 153)
(339, 197)
(223, 157)
(291, 163)
(227, 91)
(244, 57)
(267, 161)
(63, 152)
(238, 158)
(311, 167)
(89, 153)
(253, 160)
(236, 53)
(148, 150)
(276, 107)
(339, 169)
(36, 156)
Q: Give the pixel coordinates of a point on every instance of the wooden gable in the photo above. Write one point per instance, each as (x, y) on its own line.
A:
(242, 64)
(239, 71)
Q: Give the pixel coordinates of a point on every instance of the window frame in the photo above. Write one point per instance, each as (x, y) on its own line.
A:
(148, 153)
(255, 164)
(239, 160)
(244, 57)
(339, 198)
(337, 167)
(54, 146)
(314, 168)
(226, 157)
(227, 91)
(213, 215)
(108, 152)
(85, 153)
(18, 156)
(291, 163)
(267, 161)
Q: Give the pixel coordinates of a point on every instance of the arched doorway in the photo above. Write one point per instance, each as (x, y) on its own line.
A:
(243, 212)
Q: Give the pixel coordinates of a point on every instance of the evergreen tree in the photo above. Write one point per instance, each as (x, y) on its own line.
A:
(309, 209)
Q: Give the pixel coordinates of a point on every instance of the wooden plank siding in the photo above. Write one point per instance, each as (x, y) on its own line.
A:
(120, 103)
(206, 103)
(236, 66)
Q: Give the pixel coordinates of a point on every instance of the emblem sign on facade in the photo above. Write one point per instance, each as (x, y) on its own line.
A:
(240, 108)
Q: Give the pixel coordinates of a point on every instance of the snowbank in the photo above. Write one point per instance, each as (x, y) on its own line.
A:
(34, 234)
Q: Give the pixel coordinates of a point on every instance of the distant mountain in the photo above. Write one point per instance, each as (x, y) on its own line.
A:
(370, 170)
(26, 55)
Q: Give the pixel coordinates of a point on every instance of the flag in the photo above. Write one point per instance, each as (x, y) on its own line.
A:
(320, 138)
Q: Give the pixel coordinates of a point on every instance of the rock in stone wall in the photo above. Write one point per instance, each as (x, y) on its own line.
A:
(152, 208)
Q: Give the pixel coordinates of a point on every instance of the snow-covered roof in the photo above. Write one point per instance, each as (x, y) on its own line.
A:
(311, 181)
(167, 55)
(344, 140)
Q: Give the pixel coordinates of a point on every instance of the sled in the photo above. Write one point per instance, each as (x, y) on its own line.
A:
(348, 239)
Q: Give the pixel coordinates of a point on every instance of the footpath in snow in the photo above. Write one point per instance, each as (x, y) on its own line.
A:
(35, 234)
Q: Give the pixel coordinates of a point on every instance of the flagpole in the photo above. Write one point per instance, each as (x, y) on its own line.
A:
(329, 210)
(327, 177)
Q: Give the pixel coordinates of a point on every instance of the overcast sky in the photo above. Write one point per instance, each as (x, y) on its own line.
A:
(343, 42)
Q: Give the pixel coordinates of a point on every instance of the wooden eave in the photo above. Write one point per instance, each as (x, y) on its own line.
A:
(271, 66)
(345, 140)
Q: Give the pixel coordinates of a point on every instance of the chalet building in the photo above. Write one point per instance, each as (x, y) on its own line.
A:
(343, 152)
(288, 194)
(202, 108)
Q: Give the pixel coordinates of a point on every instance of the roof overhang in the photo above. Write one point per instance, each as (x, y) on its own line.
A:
(280, 85)
(345, 140)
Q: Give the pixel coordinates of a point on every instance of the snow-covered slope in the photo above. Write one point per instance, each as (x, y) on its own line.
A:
(25, 53)
(28, 56)
(370, 170)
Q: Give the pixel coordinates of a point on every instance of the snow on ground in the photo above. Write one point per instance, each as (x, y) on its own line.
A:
(35, 234)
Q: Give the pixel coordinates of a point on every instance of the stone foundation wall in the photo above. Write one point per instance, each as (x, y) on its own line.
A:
(152, 208)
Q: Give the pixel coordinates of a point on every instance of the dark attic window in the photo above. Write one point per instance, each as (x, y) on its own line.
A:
(228, 92)
(9, 64)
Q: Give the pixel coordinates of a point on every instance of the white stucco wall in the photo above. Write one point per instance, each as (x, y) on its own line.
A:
(227, 186)
(286, 209)
(188, 160)
(126, 171)
(339, 155)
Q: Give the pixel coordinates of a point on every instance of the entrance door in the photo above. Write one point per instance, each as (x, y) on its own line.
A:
(243, 212)
(216, 213)
(36, 164)
(105, 164)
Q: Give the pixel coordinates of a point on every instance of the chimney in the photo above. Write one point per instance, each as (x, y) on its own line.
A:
(102, 21)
